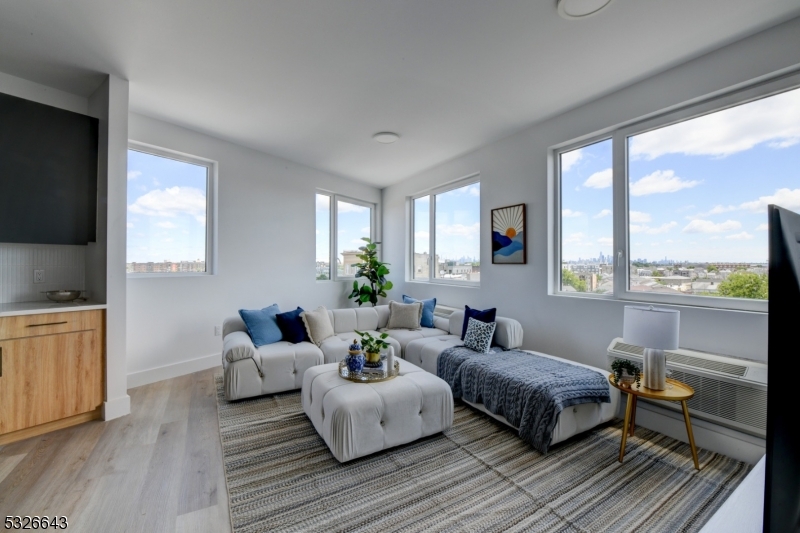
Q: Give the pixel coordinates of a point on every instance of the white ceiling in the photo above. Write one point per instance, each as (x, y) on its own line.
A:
(312, 81)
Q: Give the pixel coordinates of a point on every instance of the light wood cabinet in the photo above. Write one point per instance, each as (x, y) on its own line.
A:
(51, 371)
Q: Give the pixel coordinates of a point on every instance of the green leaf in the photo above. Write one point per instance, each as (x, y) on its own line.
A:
(371, 247)
(384, 335)
(355, 285)
(382, 270)
(366, 239)
(364, 298)
(366, 289)
(383, 294)
(388, 286)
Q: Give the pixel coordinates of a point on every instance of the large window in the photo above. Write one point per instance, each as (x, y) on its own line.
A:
(687, 196)
(170, 212)
(342, 223)
(451, 251)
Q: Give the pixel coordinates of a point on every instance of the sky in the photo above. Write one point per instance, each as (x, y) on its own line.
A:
(354, 223)
(166, 209)
(458, 223)
(698, 190)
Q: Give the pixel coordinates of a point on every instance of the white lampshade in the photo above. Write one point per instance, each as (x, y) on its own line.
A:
(650, 327)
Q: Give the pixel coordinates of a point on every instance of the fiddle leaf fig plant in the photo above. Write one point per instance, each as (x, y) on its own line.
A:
(374, 271)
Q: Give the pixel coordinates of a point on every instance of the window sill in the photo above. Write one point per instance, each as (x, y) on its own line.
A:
(686, 305)
(147, 275)
(463, 284)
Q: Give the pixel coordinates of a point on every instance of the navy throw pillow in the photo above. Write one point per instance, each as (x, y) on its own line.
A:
(262, 325)
(487, 315)
(427, 310)
(292, 326)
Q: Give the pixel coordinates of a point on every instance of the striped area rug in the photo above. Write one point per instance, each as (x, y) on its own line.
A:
(477, 476)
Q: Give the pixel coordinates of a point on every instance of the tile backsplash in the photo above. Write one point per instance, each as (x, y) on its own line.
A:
(64, 268)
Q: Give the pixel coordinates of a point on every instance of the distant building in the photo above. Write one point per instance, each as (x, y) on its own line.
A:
(166, 266)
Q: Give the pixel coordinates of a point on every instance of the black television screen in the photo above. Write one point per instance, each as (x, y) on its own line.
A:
(48, 174)
(782, 482)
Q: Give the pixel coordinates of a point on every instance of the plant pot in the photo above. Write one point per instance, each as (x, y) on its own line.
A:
(626, 380)
(373, 357)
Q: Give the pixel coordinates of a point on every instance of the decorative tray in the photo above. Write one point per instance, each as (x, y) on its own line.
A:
(359, 377)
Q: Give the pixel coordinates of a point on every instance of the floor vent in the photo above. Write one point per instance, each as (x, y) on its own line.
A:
(728, 391)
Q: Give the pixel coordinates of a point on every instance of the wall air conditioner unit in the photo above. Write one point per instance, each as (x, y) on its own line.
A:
(728, 391)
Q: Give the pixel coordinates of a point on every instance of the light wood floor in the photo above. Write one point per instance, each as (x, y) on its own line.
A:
(158, 469)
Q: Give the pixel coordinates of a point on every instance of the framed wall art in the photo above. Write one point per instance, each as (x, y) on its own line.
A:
(508, 235)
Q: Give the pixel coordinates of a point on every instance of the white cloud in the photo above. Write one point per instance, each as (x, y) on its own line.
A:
(706, 226)
(600, 180)
(637, 217)
(716, 210)
(743, 236)
(606, 241)
(171, 202)
(603, 213)
(569, 213)
(365, 230)
(660, 181)
(459, 230)
(130, 224)
(788, 198)
(762, 227)
(323, 202)
(568, 159)
(347, 207)
(643, 228)
(133, 174)
(575, 238)
(474, 191)
(201, 219)
(166, 224)
(422, 235)
(769, 120)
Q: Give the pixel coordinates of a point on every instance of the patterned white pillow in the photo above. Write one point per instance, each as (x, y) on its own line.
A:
(479, 335)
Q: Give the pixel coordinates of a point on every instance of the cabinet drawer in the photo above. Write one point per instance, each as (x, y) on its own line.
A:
(17, 327)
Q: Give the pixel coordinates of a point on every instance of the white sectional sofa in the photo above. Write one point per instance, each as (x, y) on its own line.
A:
(278, 367)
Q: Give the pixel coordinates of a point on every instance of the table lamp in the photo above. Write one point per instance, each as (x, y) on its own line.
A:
(655, 330)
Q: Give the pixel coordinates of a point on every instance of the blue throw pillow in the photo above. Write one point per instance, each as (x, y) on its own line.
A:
(487, 316)
(292, 326)
(262, 325)
(427, 310)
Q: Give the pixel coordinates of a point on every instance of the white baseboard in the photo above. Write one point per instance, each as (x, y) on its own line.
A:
(117, 407)
(730, 442)
(151, 375)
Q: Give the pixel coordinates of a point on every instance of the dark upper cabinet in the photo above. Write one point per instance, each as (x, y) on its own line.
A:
(48, 174)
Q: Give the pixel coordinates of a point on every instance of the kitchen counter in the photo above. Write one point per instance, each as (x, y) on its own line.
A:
(41, 307)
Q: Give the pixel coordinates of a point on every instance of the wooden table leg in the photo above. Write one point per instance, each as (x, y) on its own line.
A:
(689, 432)
(628, 409)
(633, 415)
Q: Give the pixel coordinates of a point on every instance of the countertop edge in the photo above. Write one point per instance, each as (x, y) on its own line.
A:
(51, 308)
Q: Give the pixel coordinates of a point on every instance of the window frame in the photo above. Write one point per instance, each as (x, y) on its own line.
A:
(465, 181)
(333, 224)
(212, 178)
(621, 199)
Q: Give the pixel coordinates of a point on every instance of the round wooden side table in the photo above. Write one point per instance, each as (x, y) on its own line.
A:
(675, 392)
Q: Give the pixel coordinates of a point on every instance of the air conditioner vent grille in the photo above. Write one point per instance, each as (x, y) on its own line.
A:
(672, 357)
(740, 404)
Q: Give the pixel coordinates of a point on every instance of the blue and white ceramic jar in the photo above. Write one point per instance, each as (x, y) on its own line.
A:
(355, 359)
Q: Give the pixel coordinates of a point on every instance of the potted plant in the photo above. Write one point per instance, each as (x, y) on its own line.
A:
(372, 346)
(626, 373)
(375, 272)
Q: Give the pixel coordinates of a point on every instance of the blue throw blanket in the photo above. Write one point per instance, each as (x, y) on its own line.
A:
(527, 389)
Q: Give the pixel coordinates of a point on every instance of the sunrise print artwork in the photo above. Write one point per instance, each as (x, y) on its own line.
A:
(508, 235)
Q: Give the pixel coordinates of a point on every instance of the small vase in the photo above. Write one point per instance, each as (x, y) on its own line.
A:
(355, 362)
(626, 380)
(373, 357)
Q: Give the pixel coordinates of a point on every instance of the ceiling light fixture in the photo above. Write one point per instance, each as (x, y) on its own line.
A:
(578, 9)
(386, 137)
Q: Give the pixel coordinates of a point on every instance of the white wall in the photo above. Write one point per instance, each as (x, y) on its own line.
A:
(515, 170)
(266, 255)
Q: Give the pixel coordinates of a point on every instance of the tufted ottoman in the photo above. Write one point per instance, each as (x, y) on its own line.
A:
(357, 419)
